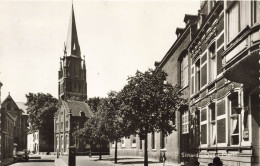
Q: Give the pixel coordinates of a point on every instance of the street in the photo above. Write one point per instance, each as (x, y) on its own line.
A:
(44, 161)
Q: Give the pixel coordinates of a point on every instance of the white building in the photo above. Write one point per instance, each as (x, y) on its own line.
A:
(33, 141)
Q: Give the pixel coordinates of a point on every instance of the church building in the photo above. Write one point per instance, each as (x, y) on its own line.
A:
(73, 110)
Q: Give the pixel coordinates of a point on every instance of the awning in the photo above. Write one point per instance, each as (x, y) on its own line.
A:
(245, 70)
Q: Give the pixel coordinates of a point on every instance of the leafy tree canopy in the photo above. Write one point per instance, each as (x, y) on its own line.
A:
(41, 110)
(148, 103)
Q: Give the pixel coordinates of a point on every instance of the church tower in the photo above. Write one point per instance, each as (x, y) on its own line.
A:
(72, 72)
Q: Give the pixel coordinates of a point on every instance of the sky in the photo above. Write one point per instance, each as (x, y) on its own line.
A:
(117, 38)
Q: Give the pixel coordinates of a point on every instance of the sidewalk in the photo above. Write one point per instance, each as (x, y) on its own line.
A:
(7, 161)
(109, 161)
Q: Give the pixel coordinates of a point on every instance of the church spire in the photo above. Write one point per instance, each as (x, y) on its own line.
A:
(72, 44)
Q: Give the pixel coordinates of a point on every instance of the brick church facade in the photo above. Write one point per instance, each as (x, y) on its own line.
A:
(73, 111)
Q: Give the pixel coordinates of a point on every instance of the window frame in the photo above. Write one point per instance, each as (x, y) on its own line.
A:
(204, 122)
(185, 115)
(184, 67)
(123, 144)
(233, 116)
(238, 23)
(212, 62)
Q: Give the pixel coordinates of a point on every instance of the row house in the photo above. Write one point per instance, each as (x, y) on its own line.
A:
(224, 101)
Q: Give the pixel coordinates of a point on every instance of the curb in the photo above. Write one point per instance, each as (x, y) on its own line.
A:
(59, 162)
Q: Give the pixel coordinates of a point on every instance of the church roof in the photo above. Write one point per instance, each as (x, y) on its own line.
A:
(72, 44)
(22, 106)
(76, 107)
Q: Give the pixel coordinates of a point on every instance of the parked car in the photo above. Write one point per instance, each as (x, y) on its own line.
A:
(21, 155)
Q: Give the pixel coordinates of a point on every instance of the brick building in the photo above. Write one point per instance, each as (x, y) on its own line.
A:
(176, 64)
(222, 115)
(73, 111)
(20, 126)
(224, 93)
(6, 132)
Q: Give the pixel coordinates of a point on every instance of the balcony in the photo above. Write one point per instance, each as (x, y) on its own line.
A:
(241, 57)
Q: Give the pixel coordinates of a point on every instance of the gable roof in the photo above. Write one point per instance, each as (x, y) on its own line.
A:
(76, 107)
(22, 106)
(9, 98)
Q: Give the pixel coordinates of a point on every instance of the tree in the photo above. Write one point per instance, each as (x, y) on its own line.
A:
(149, 104)
(94, 130)
(94, 102)
(41, 110)
(115, 126)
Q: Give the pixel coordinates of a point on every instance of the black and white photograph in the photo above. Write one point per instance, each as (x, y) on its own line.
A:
(130, 82)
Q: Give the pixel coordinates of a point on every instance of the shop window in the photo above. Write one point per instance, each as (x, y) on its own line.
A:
(185, 122)
(234, 119)
(212, 63)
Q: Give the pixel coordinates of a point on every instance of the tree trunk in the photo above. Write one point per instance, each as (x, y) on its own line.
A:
(100, 146)
(145, 151)
(116, 152)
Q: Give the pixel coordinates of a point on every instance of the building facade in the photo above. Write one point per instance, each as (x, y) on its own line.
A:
(20, 126)
(7, 134)
(224, 94)
(33, 141)
(221, 120)
(176, 64)
(73, 111)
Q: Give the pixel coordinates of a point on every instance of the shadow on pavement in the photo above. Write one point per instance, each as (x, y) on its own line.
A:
(112, 159)
(137, 162)
(41, 161)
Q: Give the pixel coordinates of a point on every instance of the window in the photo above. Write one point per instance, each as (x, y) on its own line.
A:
(67, 124)
(212, 63)
(57, 141)
(153, 140)
(61, 137)
(234, 119)
(133, 141)
(213, 127)
(211, 4)
(61, 125)
(67, 138)
(184, 71)
(140, 144)
(8, 106)
(203, 126)
(123, 142)
(238, 18)
(162, 140)
(197, 76)
(185, 122)
(256, 11)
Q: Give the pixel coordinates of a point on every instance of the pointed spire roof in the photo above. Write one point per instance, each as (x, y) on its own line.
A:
(72, 44)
